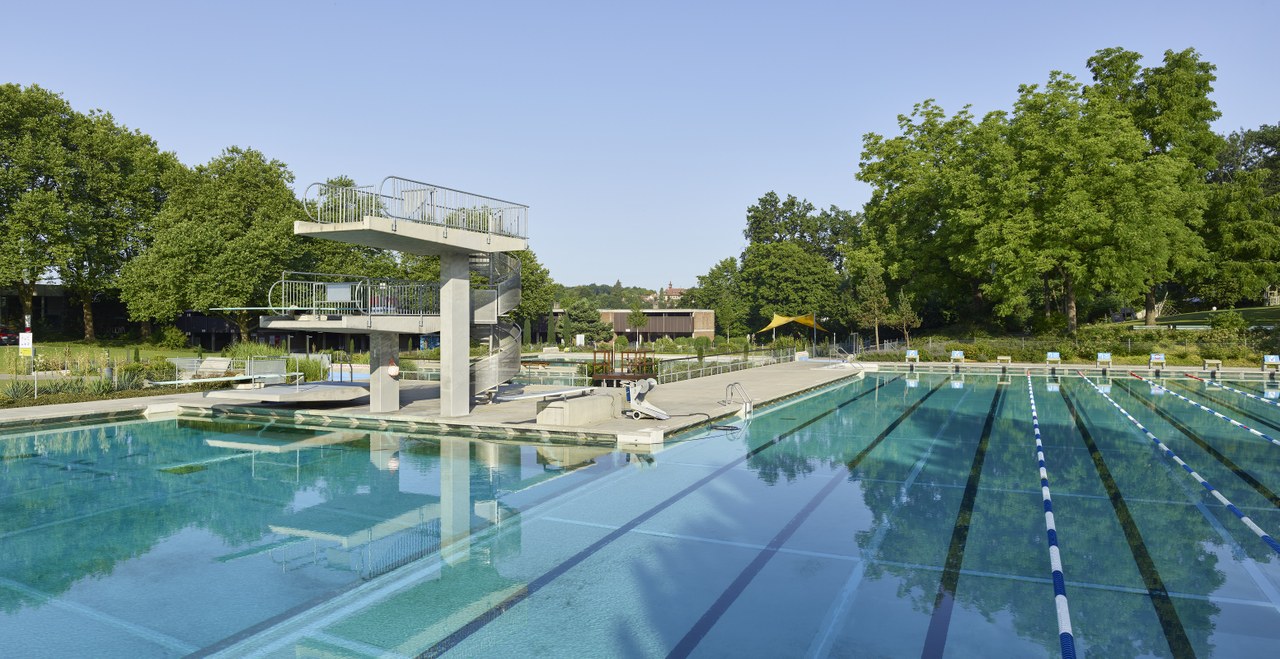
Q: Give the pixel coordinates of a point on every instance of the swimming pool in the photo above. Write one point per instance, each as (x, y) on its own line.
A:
(894, 516)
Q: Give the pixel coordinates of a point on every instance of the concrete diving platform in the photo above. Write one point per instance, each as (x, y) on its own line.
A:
(413, 237)
(311, 392)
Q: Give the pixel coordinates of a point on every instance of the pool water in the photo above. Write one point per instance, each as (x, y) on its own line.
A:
(899, 515)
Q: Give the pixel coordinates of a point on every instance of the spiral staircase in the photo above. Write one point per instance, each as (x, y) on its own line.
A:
(478, 287)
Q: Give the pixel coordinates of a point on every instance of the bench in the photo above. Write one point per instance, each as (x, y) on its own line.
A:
(212, 367)
(1053, 358)
(1103, 357)
(1212, 364)
(912, 356)
(1271, 361)
(957, 356)
(1004, 359)
(1156, 358)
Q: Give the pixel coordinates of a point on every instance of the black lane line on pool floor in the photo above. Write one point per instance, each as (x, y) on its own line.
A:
(935, 639)
(1199, 441)
(461, 634)
(1174, 633)
(713, 614)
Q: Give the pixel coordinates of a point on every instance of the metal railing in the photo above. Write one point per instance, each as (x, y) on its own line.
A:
(428, 203)
(317, 293)
(327, 203)
(687, 368)
(414, 201)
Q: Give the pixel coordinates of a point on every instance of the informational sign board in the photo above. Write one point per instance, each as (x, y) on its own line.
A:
(25, 344)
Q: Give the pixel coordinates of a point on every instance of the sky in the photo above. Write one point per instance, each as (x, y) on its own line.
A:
(637, 133)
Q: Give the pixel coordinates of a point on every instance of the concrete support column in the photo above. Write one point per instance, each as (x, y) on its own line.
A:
(455, 335)
(455, 499)
(384, 390)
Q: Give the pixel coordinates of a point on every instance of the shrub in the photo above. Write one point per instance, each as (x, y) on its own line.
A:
(313, 370)
(245, 350)
(1230, 321)
(17, 390)
(172, 338)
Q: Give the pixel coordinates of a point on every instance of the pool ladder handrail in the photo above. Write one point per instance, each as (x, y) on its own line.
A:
(732, 391)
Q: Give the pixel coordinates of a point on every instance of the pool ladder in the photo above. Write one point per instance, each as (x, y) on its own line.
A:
(735, 393)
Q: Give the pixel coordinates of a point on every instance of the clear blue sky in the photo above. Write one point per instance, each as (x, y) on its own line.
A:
(638, 133)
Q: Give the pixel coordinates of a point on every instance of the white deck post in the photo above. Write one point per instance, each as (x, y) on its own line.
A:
(455, 335)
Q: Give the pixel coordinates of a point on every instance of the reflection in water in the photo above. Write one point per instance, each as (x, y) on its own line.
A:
(298, 514)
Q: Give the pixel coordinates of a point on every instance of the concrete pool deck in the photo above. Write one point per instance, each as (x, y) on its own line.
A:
(690, 403)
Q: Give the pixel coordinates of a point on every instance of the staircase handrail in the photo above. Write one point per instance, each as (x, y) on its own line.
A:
(500, 365)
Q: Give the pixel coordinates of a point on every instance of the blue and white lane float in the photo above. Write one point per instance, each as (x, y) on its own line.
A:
(1216, 413)
(1271, 542)
(1219, 385)
(1065, 637)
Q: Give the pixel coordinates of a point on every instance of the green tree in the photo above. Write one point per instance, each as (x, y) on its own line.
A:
(871, 306)
(536, 290)
(719, 291)
(772, 220)
(1242, 220)
(638, 320)
(222, 240)
(1171, 105)
(787, 279)
(78, 191)
(922, 212)
(905, 317)
(581, 317)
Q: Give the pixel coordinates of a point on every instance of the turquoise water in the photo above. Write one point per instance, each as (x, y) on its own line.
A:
(887, 517)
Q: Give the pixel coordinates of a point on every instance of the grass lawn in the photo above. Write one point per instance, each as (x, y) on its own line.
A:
(1252, 316)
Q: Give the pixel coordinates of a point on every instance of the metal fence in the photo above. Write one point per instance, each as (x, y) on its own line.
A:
(687, 368)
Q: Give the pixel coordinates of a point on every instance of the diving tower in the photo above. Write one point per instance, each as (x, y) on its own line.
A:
(479, 283)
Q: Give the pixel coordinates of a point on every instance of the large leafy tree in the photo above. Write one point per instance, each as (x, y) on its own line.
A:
(788, 279)
(1095, 213)
(537, 294)
(772, 219)
(1242, 221)
(77, 193)
(921, 211)
(1171, 105)
(222, 239)
(719, 290)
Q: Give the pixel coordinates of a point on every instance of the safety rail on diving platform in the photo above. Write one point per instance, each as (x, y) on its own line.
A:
(317, 293)
(495, 291)
(414, 201)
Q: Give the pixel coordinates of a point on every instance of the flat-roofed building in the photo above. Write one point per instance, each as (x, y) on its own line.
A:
(663, 322)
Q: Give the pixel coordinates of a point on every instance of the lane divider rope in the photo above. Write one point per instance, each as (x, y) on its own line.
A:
(1233, 389)
(1066, 638)
(1216, 413)
(1271, 542)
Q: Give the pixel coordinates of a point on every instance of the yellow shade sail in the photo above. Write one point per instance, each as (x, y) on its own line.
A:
(778, 321)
